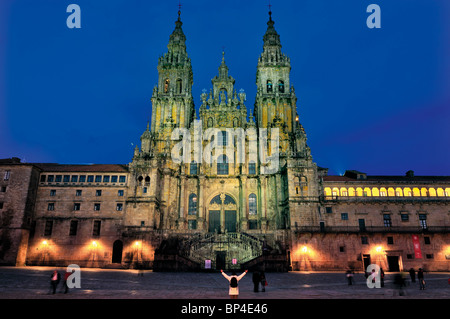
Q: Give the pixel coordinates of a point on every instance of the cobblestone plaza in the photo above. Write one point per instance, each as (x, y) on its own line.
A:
(34, 283)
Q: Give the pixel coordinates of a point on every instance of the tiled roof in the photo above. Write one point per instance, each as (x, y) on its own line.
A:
(101, 168)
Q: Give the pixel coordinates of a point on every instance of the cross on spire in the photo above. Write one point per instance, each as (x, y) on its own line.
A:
(270, 10)
(179, 9)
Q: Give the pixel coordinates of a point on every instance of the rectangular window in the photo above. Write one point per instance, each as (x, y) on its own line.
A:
(387, 220)
(390, 240)
(142, 223)
(58, 178)
(66, 178)
(50, 178)
(145, 190)
(362, 224)
(120, 192)
(76, 206)
(78, 192)
(90, 178)
(423, 221)
(427, 240)
(51, 206)
(1, 205)
(430, 256)
(252, 168)
(106, 179)
(98, 178)
(53, 192)
(119, 207)
(48, 228)
(114, 179)
(404, 217)
(96, 228)
(122, 179)
(96, 206)
(73, 227)
(98, 192)
(3, 189)
(344, 216)
(82, 178)
(74, 178)
(364, 240)
(222, 138)
(329, 210)
(43, 178)
(7, 176)
(193, 168)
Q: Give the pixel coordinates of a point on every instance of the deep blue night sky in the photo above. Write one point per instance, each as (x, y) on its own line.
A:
(374, 100)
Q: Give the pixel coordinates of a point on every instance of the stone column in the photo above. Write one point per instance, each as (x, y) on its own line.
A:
(182, 200)
(264, 199)
(201, 218)
(243, 205)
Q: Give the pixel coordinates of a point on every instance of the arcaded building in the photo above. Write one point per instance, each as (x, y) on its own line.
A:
(221, 186)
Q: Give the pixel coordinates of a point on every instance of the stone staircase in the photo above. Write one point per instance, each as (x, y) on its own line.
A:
(224, 251)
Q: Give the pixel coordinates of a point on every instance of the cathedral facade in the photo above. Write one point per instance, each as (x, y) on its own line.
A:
(234, 187)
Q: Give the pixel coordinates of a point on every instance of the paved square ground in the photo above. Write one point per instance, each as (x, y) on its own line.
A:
(34, 283)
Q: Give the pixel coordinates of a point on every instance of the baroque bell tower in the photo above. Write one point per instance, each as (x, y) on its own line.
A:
(172, 101)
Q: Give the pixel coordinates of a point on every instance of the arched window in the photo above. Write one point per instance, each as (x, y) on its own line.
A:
(252, 168)
(210, 122)
(193, 168)
(140, 179)
(222, 165)
(375, 191)
(179, 86)
(192, 204)
(252, 208)
(269, 86)
(281, 86)
(327, 192)
(166, 85)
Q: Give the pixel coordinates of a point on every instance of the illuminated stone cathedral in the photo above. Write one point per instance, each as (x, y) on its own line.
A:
(231, 188)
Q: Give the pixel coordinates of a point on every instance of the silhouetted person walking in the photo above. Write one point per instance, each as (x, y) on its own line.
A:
(263, 282)
(421, 279)
(54, 281)
(412, 274)
(256, 278)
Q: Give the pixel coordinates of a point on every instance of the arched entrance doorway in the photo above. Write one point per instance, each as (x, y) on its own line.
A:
(222, 214)
(117, 252)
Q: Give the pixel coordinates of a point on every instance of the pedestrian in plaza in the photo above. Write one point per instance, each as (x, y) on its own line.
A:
(54, 280)
(233, 280)
(421, 279)
(412, 274)
(256, 278)
(381, 277)
(349, 275)
(66, 277)
(263, 281)
(399, 283)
